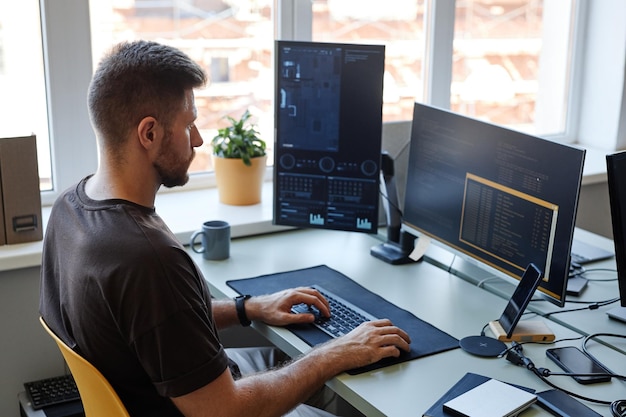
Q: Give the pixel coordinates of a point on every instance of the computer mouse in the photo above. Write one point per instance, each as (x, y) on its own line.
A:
(308, 309)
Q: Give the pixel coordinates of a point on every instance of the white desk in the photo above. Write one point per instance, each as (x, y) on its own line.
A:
(454, 305)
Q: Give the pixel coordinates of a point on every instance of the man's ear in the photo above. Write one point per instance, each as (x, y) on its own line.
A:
(148, 131)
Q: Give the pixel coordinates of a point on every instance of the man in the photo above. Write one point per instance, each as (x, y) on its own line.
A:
(119, 288)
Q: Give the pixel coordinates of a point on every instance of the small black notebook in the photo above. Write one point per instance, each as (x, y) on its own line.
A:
(426, 338)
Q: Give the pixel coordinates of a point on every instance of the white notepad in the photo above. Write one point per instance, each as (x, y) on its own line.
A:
(491, 399)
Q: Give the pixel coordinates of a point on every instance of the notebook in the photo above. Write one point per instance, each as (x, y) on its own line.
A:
(467, 382)
(491, 399)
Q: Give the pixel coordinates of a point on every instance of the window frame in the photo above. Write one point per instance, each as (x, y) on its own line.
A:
(66, 39)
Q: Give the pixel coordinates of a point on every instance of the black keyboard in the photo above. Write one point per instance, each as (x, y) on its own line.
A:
(51, 391)
(345, 316)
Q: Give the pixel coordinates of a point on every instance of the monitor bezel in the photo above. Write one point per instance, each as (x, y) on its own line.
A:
(617, 203)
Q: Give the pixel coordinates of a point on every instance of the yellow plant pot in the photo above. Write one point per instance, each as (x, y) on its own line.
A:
(237, 183)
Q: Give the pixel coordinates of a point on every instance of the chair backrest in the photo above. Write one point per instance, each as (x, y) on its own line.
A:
(98, 396)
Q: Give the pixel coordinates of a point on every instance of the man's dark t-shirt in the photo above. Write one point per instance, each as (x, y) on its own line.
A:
(119, 288)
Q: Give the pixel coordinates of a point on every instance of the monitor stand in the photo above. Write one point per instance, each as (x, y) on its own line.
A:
(395, 253)
(399, 243)
(617, 313)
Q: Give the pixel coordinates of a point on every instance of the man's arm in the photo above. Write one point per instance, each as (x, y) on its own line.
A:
(274, 309)
(275, 392)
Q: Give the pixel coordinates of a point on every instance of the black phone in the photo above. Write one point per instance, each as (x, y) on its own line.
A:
(520, 299)
(575, 361)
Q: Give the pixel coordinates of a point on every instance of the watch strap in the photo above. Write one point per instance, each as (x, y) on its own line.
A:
(241, 310)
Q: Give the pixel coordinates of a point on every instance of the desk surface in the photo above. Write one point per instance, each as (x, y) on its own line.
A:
(455, 305)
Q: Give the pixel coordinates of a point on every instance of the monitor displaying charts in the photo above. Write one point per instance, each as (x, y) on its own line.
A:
(328, 124)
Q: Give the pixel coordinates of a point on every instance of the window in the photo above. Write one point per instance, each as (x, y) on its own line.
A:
(505, 68)
(400, 27)
(430, 60)
(508, 68)
(232, 40)
(23, 93)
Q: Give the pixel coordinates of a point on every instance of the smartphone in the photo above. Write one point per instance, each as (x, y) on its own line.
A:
(520, 299)
(575, 361)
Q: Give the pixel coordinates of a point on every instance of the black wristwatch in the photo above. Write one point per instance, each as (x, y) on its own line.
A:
(241, 310)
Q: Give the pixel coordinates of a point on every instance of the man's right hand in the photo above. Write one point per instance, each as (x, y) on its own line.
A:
(367, 344)
(275, 392)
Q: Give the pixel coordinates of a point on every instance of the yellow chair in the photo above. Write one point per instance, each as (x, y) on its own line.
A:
(98, 396)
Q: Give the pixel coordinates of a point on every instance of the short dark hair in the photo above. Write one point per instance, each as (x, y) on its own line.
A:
(135, 80)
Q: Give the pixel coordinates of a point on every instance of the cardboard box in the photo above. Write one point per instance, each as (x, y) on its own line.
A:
(19, 184)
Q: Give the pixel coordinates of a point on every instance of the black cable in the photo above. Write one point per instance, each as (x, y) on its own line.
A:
(519, 345)
(516, 357)
(586, 351)
(570, 393)
(577, 272)
(609, 301)
(600, 279)
(580, 271)
(590, 306)
(392, 204)
(482, 332)
(618, 408)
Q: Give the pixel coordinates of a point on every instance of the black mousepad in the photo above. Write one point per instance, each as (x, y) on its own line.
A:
(426, 338)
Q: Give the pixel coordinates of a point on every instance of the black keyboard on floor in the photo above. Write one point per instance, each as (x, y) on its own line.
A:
(51, 391)
(345, 316)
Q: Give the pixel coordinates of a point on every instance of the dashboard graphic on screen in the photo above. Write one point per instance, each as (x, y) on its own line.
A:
(328, 124)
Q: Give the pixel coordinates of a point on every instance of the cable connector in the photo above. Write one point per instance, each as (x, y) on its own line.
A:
(516, 357)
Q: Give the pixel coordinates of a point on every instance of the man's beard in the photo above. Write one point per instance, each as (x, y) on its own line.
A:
(173, 171)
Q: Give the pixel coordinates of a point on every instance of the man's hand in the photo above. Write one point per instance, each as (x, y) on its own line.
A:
(367, 344)
(275, 309)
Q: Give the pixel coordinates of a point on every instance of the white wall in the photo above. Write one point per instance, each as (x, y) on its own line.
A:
(28, 353)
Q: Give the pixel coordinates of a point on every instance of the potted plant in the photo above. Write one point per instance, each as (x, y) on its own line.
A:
(239, 161)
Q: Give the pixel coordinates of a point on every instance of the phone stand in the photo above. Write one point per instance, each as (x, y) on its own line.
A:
(525, 331)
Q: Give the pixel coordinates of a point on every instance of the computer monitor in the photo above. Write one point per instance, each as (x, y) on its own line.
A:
(498, 196)
(616, 178)
(328, 123)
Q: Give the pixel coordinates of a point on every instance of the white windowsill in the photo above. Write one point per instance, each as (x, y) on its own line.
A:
(185, 211)
(595, 166)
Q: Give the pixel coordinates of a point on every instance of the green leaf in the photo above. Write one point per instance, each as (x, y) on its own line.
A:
(239, 140)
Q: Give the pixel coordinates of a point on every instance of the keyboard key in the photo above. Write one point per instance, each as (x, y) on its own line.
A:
(50, 391)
